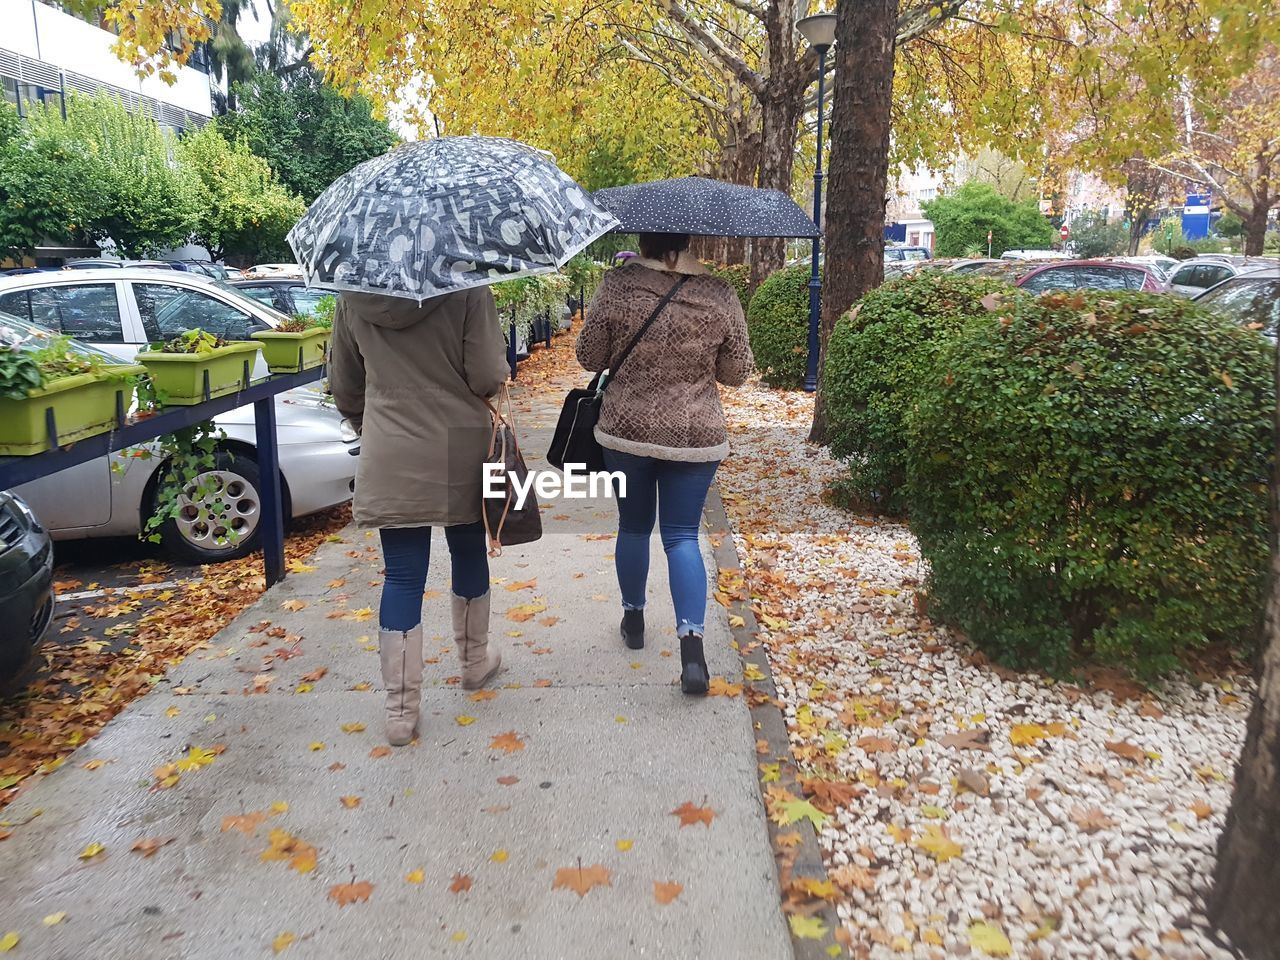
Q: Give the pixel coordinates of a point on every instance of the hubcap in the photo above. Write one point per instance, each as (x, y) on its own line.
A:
(217, 510)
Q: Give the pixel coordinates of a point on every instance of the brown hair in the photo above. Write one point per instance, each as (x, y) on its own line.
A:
(666, 247)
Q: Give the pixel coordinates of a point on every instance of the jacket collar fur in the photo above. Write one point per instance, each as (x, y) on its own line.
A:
(686, 263)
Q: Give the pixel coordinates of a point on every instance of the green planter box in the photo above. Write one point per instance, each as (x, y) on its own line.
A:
(179, 377)
(83, 406)
(293, 352)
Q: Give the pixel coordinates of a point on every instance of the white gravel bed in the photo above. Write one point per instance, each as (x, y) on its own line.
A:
(1076, 850)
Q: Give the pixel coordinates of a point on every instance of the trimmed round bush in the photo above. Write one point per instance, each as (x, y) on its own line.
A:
(878, 355)
(1087, 476)
(737, 275)
(778, 324)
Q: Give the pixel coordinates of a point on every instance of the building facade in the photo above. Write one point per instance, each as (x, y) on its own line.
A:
(46, 54)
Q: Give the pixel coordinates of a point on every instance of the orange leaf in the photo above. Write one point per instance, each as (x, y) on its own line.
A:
(664, 893)
(150, 845)
(315, 674)
(521, 585)
(581, 879)
(689, 814)
(482, 695)
(508, 781)
(349, 802)
(877, 744)
(1124, 748)
(379, 752)
(509, 742)
(542, 683)
(246, 823)
(461, 883)
(345, 893)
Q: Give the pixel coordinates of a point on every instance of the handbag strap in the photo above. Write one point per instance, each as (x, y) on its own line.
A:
(494, 537)
(640, 333)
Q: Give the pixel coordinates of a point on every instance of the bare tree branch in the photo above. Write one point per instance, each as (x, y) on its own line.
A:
(671, 78)
(712, 47)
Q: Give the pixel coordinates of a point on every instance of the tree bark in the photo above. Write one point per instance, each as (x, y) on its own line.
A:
(860, 125)
(1248, 867)
(1255, 230)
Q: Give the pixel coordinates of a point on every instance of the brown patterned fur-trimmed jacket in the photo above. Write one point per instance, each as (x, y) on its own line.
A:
(664, 402)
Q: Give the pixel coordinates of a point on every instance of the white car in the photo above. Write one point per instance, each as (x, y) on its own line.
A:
(119, 311)
(1193, 277)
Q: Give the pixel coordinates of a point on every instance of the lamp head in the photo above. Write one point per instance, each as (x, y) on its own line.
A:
(819, 29)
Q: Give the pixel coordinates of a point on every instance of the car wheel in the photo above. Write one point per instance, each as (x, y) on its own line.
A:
(220, 513)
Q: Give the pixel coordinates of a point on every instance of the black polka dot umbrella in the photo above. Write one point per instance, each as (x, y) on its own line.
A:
(705, 208)
(435, 216)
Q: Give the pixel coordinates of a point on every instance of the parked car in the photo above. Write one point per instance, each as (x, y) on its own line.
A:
(973, 265)
(119, 311)
(1034, 255)
(26, 590)
(1091, 275)
(214, 271)
(261, 271)
(289, 296)
(99, 263)
(893, 251)
(1193, 277)
(1251, 297)
(233, 273)
(1162, 266)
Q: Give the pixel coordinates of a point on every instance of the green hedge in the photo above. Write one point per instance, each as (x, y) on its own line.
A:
(1087, 476)
(778, 324)
(737, 275)
(878, 355)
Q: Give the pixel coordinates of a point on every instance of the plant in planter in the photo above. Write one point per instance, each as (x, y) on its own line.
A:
(54, 395)
(196, 366)
(297, 344)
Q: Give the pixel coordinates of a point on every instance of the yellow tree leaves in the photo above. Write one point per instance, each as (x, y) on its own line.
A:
(285, 846)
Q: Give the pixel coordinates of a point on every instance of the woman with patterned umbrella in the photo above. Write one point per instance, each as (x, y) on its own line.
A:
(412, 240)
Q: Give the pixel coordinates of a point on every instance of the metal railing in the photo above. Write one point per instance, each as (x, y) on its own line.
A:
(134, 432)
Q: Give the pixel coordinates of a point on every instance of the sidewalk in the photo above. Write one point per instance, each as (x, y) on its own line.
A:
(577, 760)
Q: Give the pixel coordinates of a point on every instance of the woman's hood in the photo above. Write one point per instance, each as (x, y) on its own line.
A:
(395, 313)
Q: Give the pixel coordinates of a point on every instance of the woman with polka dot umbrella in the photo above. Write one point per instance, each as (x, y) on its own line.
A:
(700, 207)
(438, 216)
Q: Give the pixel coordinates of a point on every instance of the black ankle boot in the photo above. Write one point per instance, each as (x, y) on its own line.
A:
(633, 629)
(693, 666)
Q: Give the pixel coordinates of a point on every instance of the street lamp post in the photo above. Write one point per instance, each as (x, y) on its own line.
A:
(820, 31)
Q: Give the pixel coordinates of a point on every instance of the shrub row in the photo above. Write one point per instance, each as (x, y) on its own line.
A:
(1086, 472)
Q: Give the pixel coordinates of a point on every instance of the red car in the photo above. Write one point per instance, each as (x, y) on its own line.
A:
(1091, 275)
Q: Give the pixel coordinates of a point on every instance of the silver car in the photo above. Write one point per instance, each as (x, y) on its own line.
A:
(1193, 277)
(120, 310)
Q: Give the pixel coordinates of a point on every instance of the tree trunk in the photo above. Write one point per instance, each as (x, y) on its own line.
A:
(860, 126)
(780, 119)
(1249, 848)
(1255, 230)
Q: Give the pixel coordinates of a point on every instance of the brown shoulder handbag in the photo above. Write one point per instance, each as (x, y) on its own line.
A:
(505, 523)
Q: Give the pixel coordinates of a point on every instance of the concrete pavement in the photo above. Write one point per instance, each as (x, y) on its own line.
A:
(579, 760)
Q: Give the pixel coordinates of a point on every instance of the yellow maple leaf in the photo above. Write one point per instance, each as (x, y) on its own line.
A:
(316, 745)
(282, 941)
(936, 843)
(355, 727)
(9, 941)
(464, 720)
(624, 845)
(54, 919)
(294, 605)
(1027, 734)
(91, 851)
(361, 615)
(196, 758)
(415, 876)
(498, 856)
(807, 928)
(989, 939)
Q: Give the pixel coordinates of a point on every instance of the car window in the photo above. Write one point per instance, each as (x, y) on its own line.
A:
(169, 310)
(1055, 278)
(1109, 278)
(1214, 275)
(1248, 301)
(305, 299)
(914, 255)
(1185, 275)
(266, 295)
(86, 311)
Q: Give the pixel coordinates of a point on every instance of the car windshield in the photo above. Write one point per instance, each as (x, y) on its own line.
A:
(240, 297)
(31, 337)
(1248, 300)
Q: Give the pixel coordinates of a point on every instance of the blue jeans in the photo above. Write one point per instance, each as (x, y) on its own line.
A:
(407, 551)
(672, 492)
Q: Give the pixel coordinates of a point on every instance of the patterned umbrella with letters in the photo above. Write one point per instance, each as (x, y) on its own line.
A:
(435, 216)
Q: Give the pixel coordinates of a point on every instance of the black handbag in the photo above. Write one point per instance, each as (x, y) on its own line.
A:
(575, 439)
(506, 522)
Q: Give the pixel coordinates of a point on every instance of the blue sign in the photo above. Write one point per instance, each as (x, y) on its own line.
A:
(1195, 216)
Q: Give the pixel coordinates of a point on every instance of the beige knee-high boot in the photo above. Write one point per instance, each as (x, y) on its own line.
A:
(471, 634)
(401, 653)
